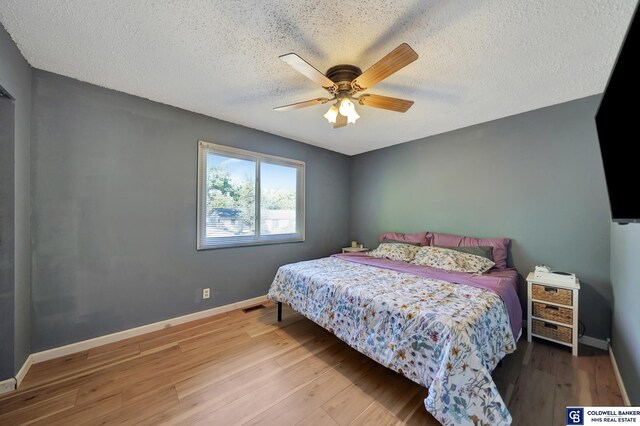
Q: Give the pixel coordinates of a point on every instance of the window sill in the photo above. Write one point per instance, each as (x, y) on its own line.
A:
(264, 241)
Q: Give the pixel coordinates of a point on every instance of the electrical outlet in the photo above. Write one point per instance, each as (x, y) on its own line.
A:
(206, 293)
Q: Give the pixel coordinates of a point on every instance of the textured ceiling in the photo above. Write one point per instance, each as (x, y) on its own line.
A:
(479, 60)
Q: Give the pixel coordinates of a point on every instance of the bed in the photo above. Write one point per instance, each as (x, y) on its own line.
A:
(444, 330)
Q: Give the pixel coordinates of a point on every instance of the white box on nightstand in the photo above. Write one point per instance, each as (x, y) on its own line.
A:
(553, 311)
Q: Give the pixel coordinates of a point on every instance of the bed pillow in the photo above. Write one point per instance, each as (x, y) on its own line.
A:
(387, 240)
(500, 245)
(484, 251)
(395, 251)
(423, 238)
(451, 260)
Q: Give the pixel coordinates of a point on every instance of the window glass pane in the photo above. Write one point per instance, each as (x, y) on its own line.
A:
(277, 199)
(230, 196)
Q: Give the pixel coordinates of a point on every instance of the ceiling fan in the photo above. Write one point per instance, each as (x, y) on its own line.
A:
(344, 81)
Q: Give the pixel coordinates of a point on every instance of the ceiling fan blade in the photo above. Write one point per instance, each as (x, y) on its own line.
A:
(303, 104)
(306, 69)
(385, 102)
(397, 59)
(341, 121)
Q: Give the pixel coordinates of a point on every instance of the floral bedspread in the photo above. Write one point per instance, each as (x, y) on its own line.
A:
(447, 337)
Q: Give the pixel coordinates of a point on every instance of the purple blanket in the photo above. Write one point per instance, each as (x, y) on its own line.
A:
(503, 282)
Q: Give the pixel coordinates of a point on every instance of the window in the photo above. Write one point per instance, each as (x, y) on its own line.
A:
(247, 198)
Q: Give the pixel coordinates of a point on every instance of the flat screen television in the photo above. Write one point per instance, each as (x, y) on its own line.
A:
(618, 124)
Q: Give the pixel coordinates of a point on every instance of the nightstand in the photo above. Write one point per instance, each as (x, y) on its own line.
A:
(354, 249)
(553, 311)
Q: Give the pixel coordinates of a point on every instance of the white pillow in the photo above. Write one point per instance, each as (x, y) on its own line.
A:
(395, 251)
(451, 260)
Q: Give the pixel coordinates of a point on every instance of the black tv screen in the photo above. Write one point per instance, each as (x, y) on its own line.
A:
(618, 124)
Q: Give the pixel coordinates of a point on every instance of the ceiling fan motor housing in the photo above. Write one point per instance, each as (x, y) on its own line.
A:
(343, 75)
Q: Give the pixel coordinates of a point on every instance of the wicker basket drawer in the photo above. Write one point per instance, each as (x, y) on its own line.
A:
(552, 294)
(552, 331)
(554, 313)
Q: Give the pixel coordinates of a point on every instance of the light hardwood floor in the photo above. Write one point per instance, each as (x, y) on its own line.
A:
(245, 368)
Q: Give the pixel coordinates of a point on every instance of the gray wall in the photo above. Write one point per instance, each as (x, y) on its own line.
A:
(7, 237)
(535, 177)
(15, 78)
(114, 231)
(625, 340)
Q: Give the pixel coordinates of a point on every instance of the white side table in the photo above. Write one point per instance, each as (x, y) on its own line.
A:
(553, 311)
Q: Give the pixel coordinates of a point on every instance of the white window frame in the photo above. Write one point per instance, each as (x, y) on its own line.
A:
(204, 243)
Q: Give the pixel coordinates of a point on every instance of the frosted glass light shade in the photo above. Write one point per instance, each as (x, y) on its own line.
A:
(353, 116)
(331, 114)
(346, 107)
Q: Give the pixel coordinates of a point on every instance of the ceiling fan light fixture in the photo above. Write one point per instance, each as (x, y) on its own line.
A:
(332, 114)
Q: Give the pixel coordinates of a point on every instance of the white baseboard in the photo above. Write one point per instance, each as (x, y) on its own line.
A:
(593, 342)
(7, 385)
(623, 390)
(23, 370)
(132, 332)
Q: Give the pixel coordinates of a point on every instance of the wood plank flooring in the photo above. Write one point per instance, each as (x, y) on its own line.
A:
(246, 368)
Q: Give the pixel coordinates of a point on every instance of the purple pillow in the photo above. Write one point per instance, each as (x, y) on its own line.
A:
(500, 245)
(419, 237)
